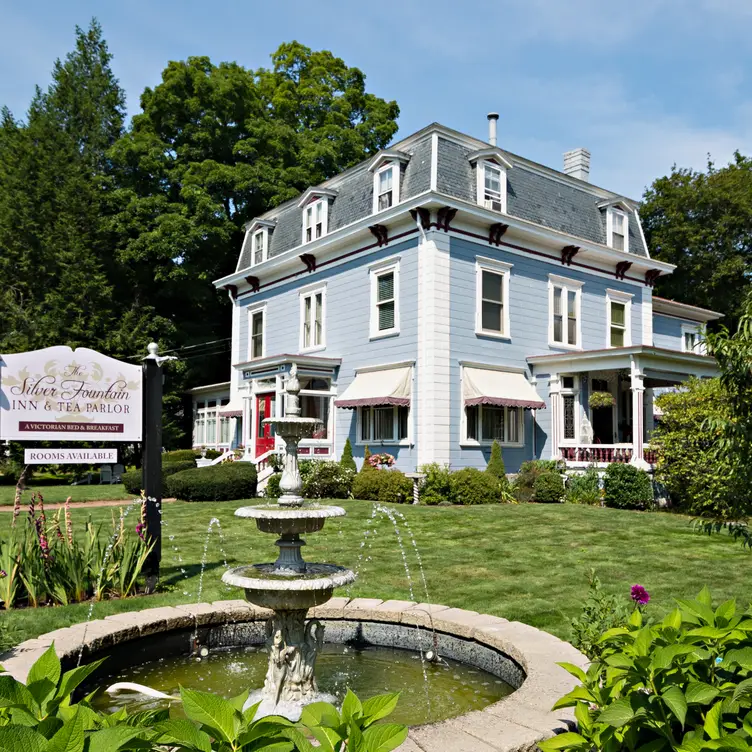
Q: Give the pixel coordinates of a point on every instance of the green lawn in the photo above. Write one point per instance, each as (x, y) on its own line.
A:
(58, 494)
(525, 562)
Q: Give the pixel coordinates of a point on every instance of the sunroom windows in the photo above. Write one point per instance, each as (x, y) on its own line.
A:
(312, 318)
(492, 298)
(564, 303)
(618, 318)
(384, 424)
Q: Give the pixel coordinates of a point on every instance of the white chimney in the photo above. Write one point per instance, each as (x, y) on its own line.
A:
(577, 164)
(493, 118)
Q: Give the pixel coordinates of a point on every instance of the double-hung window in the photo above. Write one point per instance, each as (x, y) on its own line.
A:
(387, 424)
(256, 328)
(312, 316)
(564, 302)
(259, 246)
(692, 339)
(492, 298)
(617, 229)
(386, 187)
(619, 318)
(315, 220)
(491, 186)
(488, 423)
(385, 300)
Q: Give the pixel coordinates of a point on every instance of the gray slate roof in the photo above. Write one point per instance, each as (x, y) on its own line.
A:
(531, 195)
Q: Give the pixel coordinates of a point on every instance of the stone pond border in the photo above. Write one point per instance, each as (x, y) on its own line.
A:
(515, 723)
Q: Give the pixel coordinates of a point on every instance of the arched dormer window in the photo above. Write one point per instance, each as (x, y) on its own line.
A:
(387, 170)
(257, 240)
(315, 206)
(617, 223)
(490, 179)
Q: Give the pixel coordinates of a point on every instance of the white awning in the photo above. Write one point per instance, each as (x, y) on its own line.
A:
(385, 386)
(484, 386)
(233, 409)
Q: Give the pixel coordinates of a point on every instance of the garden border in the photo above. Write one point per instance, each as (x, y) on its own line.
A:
(515, 723)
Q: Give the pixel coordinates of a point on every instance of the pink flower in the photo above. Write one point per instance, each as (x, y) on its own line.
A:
(639, 595)
(140, 530)
(3, 573)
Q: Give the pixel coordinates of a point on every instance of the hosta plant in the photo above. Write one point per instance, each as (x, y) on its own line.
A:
(683, 684)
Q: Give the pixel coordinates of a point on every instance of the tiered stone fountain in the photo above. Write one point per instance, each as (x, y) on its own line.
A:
(290, 586)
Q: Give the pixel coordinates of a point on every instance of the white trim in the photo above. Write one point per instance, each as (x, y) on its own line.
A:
(434, 161)
(303, 295)
(263, 232)
(375, 273)
(250, 311)
(569, 285)
(320, 193)
(619, 296)
(642, 233)
(611, 212)
(480, 184)
(575, 391)
(388, 155)
(393, 165)
(646, 311)
(490, 154)
(697, 330)
(503, 269)
(312, 207)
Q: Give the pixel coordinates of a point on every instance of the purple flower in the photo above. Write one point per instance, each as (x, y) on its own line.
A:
(3, 573)
(140, 530)
(639, 595)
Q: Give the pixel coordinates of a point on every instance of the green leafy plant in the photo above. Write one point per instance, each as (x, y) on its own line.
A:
(328, 480)
(367, 467)
(598, 400)
(584, 488)
(387, 486)
(627, 487)
(133, 482)
(523, 486)
(496, 465)
(473, 486)
(181, 455)
(548, 488)
(234, 480)
(436, 485)
(682, 684)
(347, 460)
(271, 489)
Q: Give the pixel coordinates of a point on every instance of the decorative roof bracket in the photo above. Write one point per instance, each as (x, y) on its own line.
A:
(496, 232)
(381, 233)
(568, 252)
(253, 282)
(651, 276)
(622, 268)
(309, 260)
(424, 215)
(233, 290)
(444, 217)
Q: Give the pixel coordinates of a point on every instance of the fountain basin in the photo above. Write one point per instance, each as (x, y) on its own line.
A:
(280, 520)
(266, 587)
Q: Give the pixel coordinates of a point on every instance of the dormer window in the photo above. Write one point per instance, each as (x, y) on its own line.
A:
(315, 220)
(490, 178)
(617, 231)
(386, 187)
(257, 240)
(259, 246)
(492, 192)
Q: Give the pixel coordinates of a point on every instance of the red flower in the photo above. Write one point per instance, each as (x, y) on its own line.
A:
(639, 595)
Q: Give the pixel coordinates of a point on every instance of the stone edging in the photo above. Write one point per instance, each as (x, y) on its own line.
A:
(517, 722)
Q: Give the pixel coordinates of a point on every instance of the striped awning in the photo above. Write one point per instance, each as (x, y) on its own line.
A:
(233, 409)
(485, 386)
(385, 386)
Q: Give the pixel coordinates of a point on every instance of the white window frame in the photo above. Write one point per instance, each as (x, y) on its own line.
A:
(573, 391)
(311, 293)
(503, 269)
(407, 441)
(618, 296)
(480, 173)
(250, 313)
(313, 206)
(569, 285)
(331, 393)
(262, 232)
(392, 165)
(376, 271)
(466, 441)
(612, 211)
(697, 330)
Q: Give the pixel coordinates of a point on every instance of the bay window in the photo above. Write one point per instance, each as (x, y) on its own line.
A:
(315, 402)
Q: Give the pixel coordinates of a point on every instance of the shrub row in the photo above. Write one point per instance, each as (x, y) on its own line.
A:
(133, 481)
(623, 487)
(226, 482)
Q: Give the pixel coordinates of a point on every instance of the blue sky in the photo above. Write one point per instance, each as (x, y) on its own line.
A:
(643, 85)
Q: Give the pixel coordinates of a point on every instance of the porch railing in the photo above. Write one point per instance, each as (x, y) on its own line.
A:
(604, 454)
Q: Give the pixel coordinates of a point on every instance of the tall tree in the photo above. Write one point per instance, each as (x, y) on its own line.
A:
(702, 222)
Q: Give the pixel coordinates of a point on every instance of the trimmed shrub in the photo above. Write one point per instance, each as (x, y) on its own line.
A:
(347, 460)
(437, 484)
(627, 487)
(133, 481)
(212, 454)
(271, 489)
(523, 487)
(328, 480)
(180, 455)
(382, 485)
(496, 465)
(228, 482)
(548, 488)
(367, 467)
(584, 488)
(473, 486)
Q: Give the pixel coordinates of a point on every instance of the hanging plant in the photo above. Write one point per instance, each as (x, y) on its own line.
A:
(601, 399)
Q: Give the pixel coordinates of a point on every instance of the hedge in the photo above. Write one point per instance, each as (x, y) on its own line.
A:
(382, 485)
(627, 487)
(227, 482)
(133, 481)
(548, 488)
(473, 486)
(180, 455)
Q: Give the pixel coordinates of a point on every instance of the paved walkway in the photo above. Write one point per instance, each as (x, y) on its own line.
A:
(80, 504)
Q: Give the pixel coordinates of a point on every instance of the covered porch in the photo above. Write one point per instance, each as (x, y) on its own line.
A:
(602, 400)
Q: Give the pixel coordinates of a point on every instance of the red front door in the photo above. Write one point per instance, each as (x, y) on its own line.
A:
(264, 432)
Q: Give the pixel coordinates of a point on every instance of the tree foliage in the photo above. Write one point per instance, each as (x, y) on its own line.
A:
(702, 222)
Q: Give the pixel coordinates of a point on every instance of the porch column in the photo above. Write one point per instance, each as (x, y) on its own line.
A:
(638, 415)
(554, 393)
(247, 424)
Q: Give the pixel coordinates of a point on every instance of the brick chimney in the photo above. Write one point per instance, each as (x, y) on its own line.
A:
(577, 164)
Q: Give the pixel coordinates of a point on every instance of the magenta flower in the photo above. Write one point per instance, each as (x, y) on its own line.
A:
(3, 573)
(639, 595)
(140, 530)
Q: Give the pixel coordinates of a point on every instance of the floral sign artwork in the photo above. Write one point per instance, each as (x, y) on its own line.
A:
(61, 394)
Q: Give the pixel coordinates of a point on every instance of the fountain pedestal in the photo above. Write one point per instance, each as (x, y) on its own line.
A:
(290, 586)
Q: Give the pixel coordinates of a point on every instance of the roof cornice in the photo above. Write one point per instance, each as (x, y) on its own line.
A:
(316, 193)
(684, 310)
(269, 224)
(617, 202)
(284, 358)
(388, 155)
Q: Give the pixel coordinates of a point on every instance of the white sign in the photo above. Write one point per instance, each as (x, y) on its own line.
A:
(70, 456)
(58, 394)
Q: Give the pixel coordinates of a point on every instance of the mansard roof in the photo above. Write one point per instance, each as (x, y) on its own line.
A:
(535, 192)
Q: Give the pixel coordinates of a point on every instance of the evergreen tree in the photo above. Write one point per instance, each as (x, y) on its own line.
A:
(366, 467)
(495, 465)
(347, 457)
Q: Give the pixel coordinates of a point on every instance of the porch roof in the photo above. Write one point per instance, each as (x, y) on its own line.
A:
(646, 356)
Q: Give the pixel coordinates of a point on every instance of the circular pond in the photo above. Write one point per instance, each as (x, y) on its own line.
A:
(446, 690)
